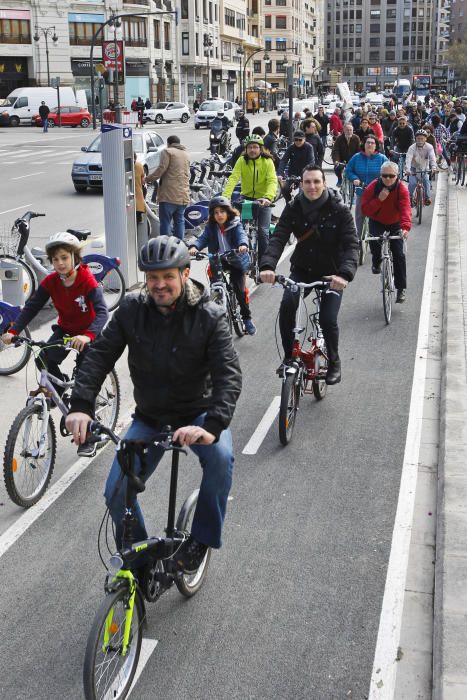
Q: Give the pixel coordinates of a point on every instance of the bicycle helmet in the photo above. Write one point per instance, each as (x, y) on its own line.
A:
(219, 201)
(421, 132)
(162, 253)
(63, 238)
(254, 138)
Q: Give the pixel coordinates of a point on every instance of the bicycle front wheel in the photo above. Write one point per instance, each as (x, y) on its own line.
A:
(108, 402)
(290, 398)
(189, 584)
(113, 288)
(363, 242)
(27, 276)
(109, 671)
(321, 365)
(13, 358)
(419, 206)
(388, 289)
(234, 312)
(29, 456)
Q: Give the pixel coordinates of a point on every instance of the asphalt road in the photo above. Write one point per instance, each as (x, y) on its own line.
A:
(291, 605)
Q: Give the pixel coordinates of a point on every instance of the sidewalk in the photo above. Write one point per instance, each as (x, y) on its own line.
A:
(450, 602)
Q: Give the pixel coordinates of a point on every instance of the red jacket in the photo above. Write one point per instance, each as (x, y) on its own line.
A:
(378, 129)
(335, 125)
(395, 208)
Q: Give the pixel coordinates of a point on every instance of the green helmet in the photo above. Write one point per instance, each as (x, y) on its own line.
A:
(254, 138)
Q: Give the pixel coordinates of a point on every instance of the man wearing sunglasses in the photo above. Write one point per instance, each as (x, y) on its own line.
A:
(296, 157)
(386, 202)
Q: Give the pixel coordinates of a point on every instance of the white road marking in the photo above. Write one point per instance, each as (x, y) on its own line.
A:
(20, 154)
(383, 677)
(23, 206)
(147, 647)
(28, 175)
(254, 443)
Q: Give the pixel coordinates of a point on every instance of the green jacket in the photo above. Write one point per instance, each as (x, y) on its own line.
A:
(258, 178)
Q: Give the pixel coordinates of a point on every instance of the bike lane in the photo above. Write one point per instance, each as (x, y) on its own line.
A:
(292, 602)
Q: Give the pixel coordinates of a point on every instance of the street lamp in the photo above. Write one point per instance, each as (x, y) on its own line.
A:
(115, 22)
(208, 43)
(266, 60)
(299, 66)
(285, 64)
(46, 32)
(241, 53)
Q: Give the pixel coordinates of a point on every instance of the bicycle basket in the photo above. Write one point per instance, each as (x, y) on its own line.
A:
(9, 240)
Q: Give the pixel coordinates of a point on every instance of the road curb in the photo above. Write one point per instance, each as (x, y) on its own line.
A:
(450, 601)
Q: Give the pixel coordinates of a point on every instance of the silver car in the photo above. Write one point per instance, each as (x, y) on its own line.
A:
(87, 168)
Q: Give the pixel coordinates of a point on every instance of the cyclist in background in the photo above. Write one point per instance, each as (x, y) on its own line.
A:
(323, 120)
(327, 246)
(442, 136)
(271, 139)
(401, 136)
(185, 374)
(376, 126)
(420, 157)
(296, 157)
(222, 233)
(386, 202)
(346, 145)
(78, 298)
(311, 128)
(257, 174)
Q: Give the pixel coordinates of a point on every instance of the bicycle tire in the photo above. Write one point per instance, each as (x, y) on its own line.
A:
(26, 472)
(319, 385)
(463, 171)
(12, 358)
(217, 299)
(113, 288)
(189, 584)
(387, 289)
(113, 604)
(108, 396)
(234, 312)
(363, 247)
(29, 278)
(290, 399)
(419, 206)
(328, 160)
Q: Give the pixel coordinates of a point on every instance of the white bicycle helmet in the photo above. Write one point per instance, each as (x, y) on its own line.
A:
(63, 238)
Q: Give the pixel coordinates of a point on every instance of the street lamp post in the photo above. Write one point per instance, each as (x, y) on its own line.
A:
(46, 32)
(208, 43)
(266, 60)
(299, 65)
(241, 53)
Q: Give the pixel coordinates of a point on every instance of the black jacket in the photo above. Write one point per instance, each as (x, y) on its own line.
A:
(323, 120)
(315, 141)
(402, 138)
(331, 249)
(44, 111)
(181, 365)
(243, 128)
(343, 150)
(270, 142)
(297, 158)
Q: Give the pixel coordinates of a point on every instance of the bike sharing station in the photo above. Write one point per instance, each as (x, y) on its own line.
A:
(122, 236)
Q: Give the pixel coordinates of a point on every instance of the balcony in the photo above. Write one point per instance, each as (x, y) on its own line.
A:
(15, 38)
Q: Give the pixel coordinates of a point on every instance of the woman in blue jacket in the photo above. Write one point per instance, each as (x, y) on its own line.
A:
(222, 233)
(363, 168)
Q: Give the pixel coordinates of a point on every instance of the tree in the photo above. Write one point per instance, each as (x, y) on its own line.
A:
(457, 58)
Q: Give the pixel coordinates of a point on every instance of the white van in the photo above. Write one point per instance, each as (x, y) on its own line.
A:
(23, 103)
(402, 88)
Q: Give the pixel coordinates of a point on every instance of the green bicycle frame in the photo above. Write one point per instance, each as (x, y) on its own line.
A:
(127, 574)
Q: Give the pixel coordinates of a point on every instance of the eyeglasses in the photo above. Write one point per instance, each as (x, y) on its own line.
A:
(299, 139)
(371, 143)
(391, 176)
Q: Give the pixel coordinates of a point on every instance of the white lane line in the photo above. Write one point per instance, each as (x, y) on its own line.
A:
(23, 206)
(383, 677)
(254, 443)
(30, 516)
(147, 647)
(29, 175)
(21, 154)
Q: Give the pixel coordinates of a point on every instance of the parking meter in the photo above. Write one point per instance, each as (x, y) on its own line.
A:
(119, 199)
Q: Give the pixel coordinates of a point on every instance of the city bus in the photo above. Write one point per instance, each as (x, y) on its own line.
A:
(421, 85)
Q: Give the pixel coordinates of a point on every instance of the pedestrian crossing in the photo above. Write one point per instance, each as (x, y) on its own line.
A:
(37, 156)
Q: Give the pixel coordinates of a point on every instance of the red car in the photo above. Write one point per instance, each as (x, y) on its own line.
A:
(70, 116)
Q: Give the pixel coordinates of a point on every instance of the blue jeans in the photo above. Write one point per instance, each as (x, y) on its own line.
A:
(217, 464)
(264, 222)
(45, 126)
(169, 212)
(425, 182)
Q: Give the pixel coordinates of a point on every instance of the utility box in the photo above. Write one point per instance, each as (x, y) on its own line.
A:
(119, 199)
(11, 280)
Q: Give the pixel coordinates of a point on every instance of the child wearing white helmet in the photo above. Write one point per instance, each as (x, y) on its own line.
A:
(78, 299)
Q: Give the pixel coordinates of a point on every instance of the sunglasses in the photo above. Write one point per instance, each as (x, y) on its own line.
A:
(300, 138)
(391, 176)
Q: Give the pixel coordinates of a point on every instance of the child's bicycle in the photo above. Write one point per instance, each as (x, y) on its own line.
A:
(306, 373)
(114, 641)
(12, 357)
(222, 291)
(31, 445)
(249, 214)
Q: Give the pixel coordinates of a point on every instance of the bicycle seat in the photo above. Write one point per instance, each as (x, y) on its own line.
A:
(81, 234)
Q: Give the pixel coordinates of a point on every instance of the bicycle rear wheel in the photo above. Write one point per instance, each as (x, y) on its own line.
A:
(363, 242)
(290, 398)
(388, 289)
(107, 672)
(321, 365)
(189, 584)
(27, 275)
(113, 288)
(28, 462)
(108, 402)
(13, 358)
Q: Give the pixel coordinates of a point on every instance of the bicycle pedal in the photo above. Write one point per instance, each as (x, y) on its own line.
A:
(64, 432)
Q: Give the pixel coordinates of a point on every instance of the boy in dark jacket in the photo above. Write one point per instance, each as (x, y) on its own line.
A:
(296, 157)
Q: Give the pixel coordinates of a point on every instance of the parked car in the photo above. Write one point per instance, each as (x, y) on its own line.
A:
(87, 168)
(69, 116)
(373, 98)
(209, 109)
(22, 103)
(298, 105)
(167, 112)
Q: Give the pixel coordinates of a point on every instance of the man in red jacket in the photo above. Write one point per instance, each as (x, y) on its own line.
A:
(386, 202)
(336, 126)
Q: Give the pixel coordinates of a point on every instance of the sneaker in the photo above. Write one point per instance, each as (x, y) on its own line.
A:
(401, 296)
(250, 327)
(190, 555)
(87, 449)
(333, 375)
(376, 269)
(286, 362)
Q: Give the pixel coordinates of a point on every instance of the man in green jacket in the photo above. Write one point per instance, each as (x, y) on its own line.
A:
(255, 169)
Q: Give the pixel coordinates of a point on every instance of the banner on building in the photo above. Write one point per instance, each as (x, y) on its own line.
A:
(112, 53)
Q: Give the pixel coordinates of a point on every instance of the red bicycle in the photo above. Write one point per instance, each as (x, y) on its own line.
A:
(306, 373)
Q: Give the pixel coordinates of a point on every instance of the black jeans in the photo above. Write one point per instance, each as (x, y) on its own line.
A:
(238, 280)
(53, 357)
(397, 250)
(329, 310)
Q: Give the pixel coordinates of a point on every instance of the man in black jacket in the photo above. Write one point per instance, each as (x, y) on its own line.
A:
(345, 146)
(297, 156)
(185, 374)
(243, 127)
(44, 112)
(327, 246)
(271, 139)
(310, 127)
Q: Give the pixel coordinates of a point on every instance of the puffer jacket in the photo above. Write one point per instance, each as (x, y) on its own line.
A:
(234, 236)
(174, 174)
(181, 365)
(258, 177)
(331, 249)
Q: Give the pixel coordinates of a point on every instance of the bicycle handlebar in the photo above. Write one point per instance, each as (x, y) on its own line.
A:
(223, 256)
(18, 339)
(26, 218)
(294, 286)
